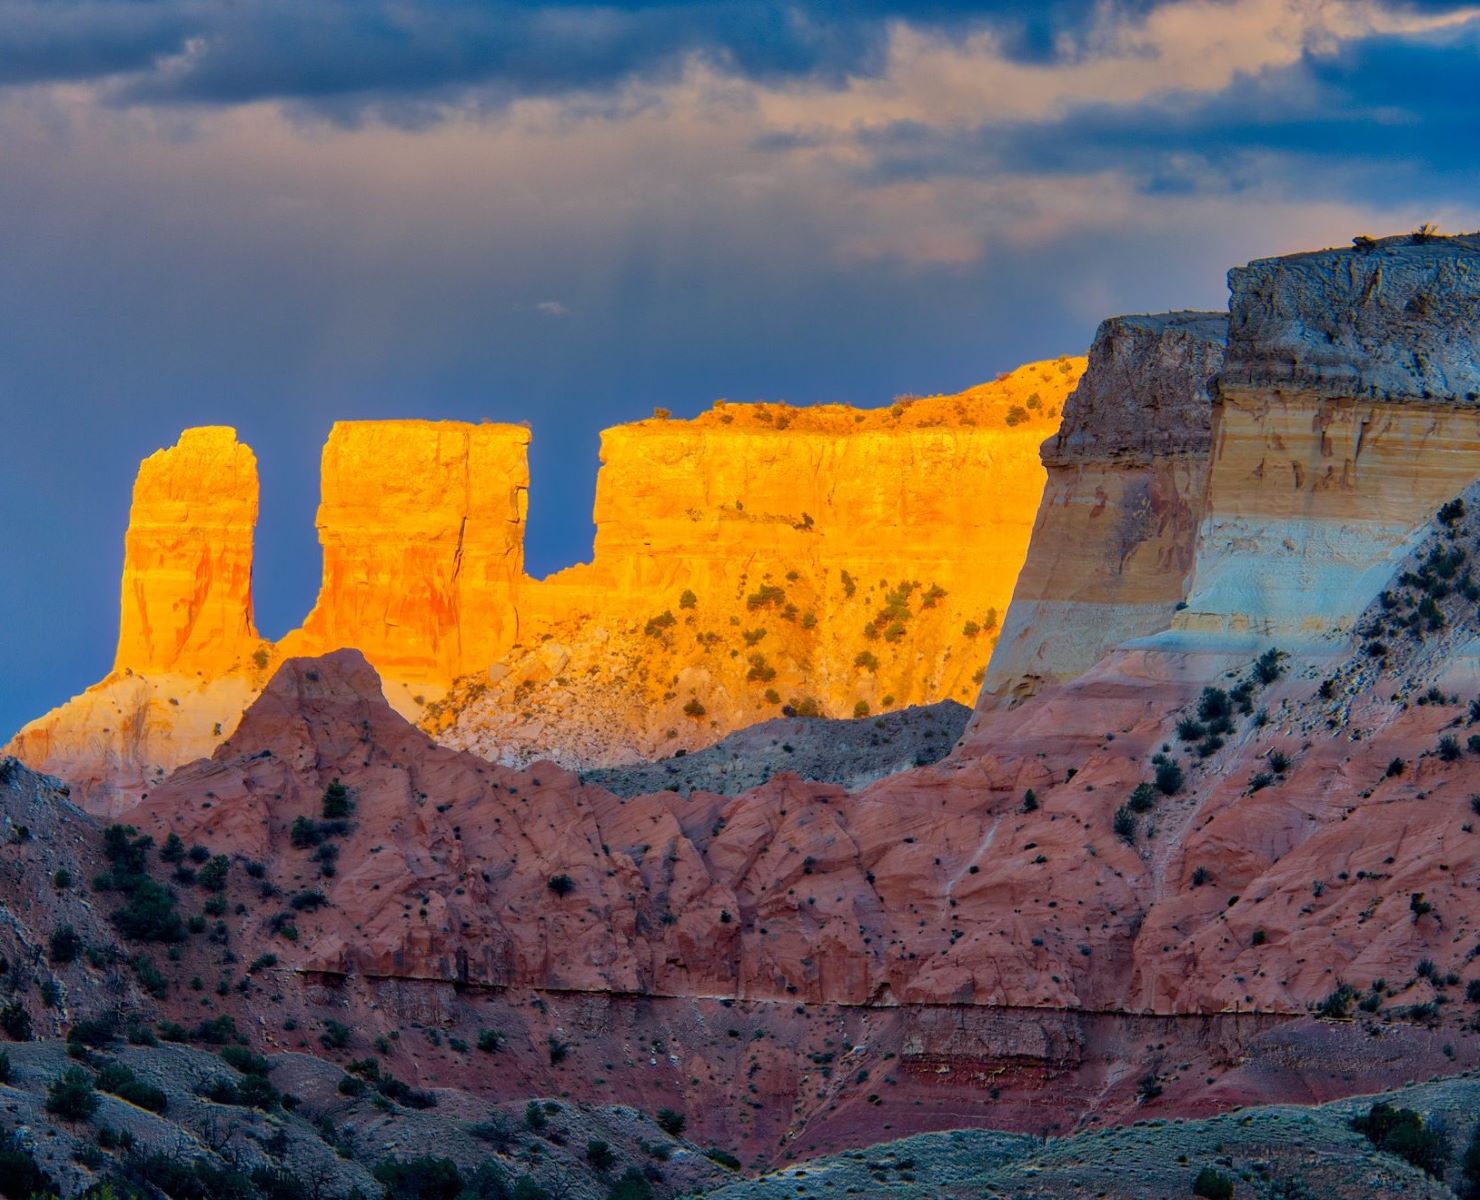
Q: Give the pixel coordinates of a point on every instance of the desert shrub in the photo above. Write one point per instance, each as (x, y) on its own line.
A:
(1212, 1184)
(61, 879)
(304, 833)
(217, 1031)
(307, 901)
(558, 1050)
(866, 660)
(659, 625)
(64, 945)
(425, 1178)
(336, 1035)
(213, 875)
(860, 710)
(1016, 414)
(16, 1022)
(535, 1117)
(1449, 748)
(1401, 1131)
(490, 1041)
(1169, 778)
(1190, 729)
(95, 1034)
(694, 708)
(1469, 1166)
(561, 885)
(671, 1122)
(1269, 666)
(336, 804)
(1337, 1002)
(768, 595)
(1213, 704)
(723, 1157)
(1200, 876)
(118, 1080)
(1142, 798)
(600, 1155)
(633, 1185)
(21, 1177)
(244, 1060)
(71, 1096)
(1030, 801)
(1124, 824)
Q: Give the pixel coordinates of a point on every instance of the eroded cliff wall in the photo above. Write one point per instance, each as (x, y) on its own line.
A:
(1113, 545)
(762, 558)
(422, 528)
(758, 558)
(1350, 411)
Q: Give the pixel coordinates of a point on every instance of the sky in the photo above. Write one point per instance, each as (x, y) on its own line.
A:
(274, 215)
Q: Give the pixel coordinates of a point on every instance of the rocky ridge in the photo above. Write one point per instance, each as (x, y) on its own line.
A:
(757, 557)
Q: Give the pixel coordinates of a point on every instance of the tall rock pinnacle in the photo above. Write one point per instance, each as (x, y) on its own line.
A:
(187, 568)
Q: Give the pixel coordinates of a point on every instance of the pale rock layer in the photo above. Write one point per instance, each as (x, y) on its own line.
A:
(1113, 545)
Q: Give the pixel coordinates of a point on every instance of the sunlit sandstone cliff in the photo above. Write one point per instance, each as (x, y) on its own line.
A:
(422, 529)
(1112, 549)
(185, 665)
(762, 558)
(187, 561)
(757, 558)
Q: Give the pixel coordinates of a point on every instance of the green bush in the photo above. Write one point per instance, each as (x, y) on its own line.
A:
(425, 1178)
(600, 1155)
(21, 1178)
(1212, 1184)
(632, 1186)
(213, 875)
(304, 833)
(71, 1095)
(16, 1022)
(561, 885)
(337, 804)
(1401, 1131)
(64, 945)
(118, 1080)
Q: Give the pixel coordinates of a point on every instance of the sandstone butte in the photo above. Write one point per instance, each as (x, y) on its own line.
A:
(1232, 820)
(756, 558)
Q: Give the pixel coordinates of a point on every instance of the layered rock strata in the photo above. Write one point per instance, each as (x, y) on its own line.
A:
(760, 558)
(757, 559)
(1349, 412)
(1112, 549)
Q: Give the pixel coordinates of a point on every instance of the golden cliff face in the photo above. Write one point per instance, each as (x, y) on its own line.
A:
(422, 528)
(828, 559)
(762, 558)
(187, 566)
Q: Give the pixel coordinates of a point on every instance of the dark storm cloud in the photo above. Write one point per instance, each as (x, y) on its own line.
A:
(1383, 115)
(219, 52)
